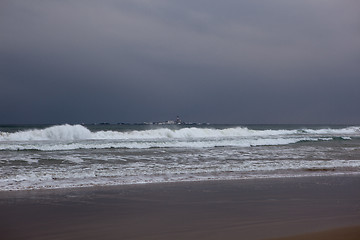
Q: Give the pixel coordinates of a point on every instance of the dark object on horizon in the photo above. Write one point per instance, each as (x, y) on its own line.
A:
(178, 120)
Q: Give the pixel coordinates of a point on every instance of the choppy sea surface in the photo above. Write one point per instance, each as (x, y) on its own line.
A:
(65, 156)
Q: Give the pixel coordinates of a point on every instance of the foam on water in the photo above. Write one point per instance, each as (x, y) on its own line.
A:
(152, 172)
(61, 132)
(70, 137)
(14, 146)
(78, 132)
(74, 156)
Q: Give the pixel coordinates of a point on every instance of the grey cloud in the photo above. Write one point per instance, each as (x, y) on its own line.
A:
(224, 61)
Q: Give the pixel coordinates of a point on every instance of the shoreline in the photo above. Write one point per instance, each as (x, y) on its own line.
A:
(251, 208)
(341, 174)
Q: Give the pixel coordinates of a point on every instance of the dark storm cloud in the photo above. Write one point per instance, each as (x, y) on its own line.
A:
(215, 61)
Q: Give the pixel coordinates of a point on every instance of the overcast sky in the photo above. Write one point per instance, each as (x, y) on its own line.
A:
(229, 61)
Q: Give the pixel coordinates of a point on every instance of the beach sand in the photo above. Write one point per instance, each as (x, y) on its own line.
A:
(236, 209)
(348, 233)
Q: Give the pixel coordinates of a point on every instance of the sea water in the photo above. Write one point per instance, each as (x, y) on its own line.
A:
(65, 156)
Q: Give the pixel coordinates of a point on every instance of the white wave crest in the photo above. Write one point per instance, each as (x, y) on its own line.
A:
(60, 132)
(348, 130)
(68, 137)
(78, 132)
(187, 133)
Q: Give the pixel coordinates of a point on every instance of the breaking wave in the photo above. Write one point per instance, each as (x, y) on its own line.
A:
(68, 137)
(61, 132)
(78, 132)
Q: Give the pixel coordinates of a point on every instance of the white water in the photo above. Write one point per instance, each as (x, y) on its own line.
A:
(77, 132)
(74, 156)
(70, 137)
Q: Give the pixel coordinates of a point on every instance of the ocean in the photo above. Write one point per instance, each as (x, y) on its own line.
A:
(67, 156)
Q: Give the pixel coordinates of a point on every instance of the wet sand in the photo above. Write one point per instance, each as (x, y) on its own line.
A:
(237, 209)
(347, 233)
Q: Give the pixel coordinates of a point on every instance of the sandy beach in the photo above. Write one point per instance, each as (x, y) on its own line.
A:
(321, 207)
(347, 233)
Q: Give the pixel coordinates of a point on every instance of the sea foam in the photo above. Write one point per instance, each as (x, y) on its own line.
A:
(69, 137)
(75, 156)
(78, 132)
(59, 132)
